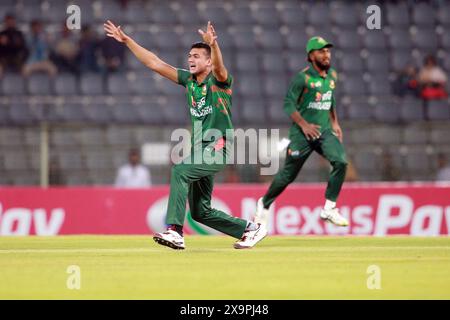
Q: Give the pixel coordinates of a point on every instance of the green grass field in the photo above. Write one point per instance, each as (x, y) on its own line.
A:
(134, 267)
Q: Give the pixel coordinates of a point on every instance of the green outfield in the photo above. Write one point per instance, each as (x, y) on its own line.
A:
(134, 267)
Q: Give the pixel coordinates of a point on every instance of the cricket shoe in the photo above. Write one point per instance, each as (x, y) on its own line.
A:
(262, 214)
(334, 217)
(251, 238)
(171, 239)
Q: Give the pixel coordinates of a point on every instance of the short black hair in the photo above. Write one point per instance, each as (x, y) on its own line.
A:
(202, 45)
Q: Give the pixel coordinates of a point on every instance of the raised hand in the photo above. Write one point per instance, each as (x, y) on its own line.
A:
(115, 32)
(209, 36)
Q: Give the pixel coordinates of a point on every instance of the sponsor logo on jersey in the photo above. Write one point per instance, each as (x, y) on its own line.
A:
(322, 101)
(201, 113)
(200, 104)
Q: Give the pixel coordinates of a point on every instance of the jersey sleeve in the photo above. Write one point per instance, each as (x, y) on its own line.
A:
(335, 78)
(223, 85)
(295, 90)
(183, 77)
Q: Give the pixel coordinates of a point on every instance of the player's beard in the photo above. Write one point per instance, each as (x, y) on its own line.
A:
(321, 66)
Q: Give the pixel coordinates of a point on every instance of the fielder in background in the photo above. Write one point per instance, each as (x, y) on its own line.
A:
(311, 105)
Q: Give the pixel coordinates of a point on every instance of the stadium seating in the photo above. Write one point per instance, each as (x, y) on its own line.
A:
(99, 116)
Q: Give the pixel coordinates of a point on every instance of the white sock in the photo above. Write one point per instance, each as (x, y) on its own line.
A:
(251, 226)
(329, 205)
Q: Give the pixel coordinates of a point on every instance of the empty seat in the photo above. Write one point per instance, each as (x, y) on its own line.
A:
(296, 41)
(271, 40)
(244, 39)
(275, 112)
(117, 84)
(253, 111)
(418, 161)
(319, 13)
(97, 113)
(189, 15)
(387, 112)
(167, 40)
(117, 136)
(293, 16)
(351, 63)
(443, 15)
(241, 15)
(295, 62)
(375, 41)
(92, 137)
(91, 84)
(72, 113)
(349, 40)
(440, 136)
(11, 136)
(424, 15)
(163, 15)
(412, 110)
(398, 15)
(174, 112)
(12, 84)
(65, 84)
(111, 10)
(247, 62)
(273, 62)
(266, 16)
(145, 39)
(64, 138)
(98, 160)
(380, 85)
(137, 12)
(345, 16)
(275, 85)
(4, 115)
(401, 59)
(438, 110)
(388, 135)
(25, 114)
(426, 39)
(400, 39)
(415, 135)
(378, 63)
(124, 113)
(39, 84)
(367, 160)
(149, 113)
(353, 86)
(142, 83)
(70, 161)
(445, 40)
(249, 85)
(217, 14)
(360, 111)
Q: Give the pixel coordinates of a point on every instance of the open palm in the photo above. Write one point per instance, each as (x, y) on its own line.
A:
(114, 32)
(209, 36)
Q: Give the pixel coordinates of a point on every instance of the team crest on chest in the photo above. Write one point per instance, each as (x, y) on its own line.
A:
(332, 84)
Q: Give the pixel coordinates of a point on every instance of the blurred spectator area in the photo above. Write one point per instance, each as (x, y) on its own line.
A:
(99, 110)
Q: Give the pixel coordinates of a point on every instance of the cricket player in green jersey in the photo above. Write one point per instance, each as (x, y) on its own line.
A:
(208, 87)
(311, 104)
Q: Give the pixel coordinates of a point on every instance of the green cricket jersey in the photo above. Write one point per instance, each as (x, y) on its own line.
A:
(312, 96)
(209, 102)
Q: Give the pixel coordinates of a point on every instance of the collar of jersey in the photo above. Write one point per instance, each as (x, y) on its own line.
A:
(204, 80)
